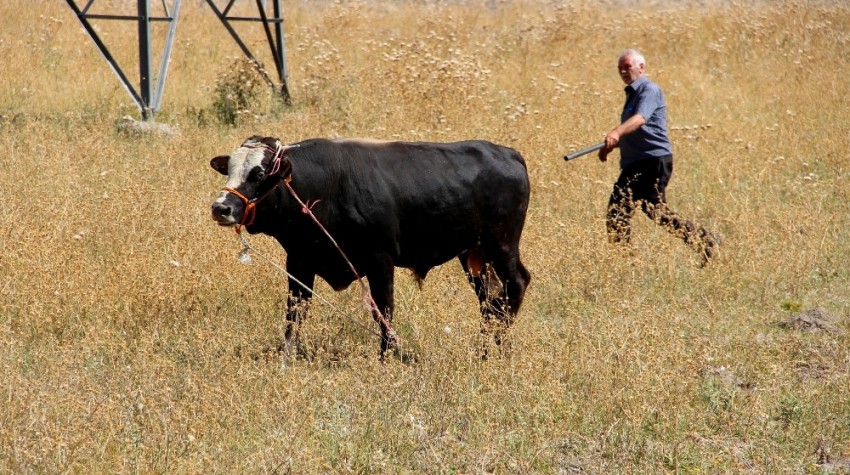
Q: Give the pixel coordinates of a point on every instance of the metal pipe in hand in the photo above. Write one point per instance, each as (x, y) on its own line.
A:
(584, 151)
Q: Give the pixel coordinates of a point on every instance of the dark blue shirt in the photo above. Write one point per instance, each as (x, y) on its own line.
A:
(644, 97)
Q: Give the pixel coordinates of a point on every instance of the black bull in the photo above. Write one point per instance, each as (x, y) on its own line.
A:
(387, 204)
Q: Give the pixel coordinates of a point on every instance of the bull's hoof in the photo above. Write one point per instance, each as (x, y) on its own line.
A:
(291, 349)
(390, 342)
(393, 340)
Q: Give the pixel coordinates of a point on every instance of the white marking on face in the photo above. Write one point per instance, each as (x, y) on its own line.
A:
(241, 162)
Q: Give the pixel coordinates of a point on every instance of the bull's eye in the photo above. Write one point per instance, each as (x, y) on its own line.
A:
(256, 175)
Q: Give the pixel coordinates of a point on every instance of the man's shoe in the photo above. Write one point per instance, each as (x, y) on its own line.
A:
(708, 247)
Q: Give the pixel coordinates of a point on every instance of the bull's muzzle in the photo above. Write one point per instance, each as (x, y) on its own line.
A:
(223, 214)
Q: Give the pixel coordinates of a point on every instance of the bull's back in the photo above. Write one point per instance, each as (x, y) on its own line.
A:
(457, 173)
(432, 201)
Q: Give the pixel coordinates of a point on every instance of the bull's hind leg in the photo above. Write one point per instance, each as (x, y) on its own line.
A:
(474, 267)
(515, 279)
(491, 296)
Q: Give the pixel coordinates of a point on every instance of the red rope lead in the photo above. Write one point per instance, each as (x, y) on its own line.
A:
(309, 207)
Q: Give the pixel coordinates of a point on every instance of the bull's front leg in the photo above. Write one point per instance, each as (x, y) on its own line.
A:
(382, 286)
(300, 291)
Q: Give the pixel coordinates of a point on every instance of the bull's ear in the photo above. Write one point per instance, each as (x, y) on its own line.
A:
(285, 169)
(219, 163)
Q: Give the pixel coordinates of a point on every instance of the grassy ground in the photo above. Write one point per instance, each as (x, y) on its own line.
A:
(131, 339)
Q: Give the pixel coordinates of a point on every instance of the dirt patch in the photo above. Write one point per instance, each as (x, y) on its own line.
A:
(724, 377)
(132, 127)
(829, 463)
(811, 320)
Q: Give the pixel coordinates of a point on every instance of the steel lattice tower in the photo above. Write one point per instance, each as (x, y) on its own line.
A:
(148, 96)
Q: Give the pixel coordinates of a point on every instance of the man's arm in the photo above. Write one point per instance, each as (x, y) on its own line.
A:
(612, 138)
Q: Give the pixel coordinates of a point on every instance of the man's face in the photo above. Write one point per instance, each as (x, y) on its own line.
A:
(629, 69)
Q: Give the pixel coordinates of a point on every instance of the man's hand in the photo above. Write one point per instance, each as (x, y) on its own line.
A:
(612, 139)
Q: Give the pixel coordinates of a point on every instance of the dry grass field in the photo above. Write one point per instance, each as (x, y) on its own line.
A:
(133, 341)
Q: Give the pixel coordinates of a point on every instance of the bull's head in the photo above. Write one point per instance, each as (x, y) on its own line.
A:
(253, 171)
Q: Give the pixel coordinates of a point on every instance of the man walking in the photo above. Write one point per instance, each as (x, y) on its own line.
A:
(646, 162)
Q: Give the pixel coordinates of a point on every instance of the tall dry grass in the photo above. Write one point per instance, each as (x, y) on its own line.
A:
(131, 339)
